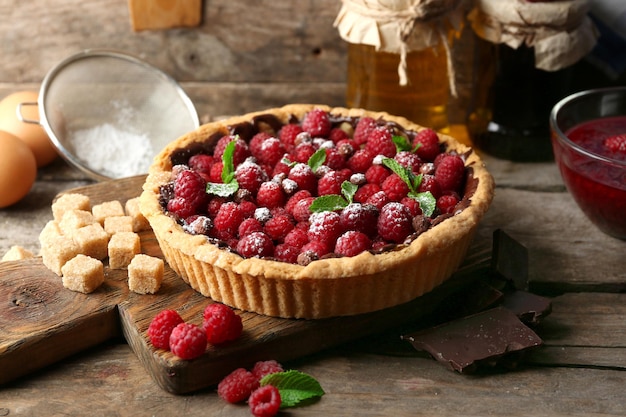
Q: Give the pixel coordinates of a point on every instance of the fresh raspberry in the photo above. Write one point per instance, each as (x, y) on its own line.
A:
(351, 243)
(317, 123)
(361, 160)
(337, 135)
(248, 226)
(250, 176)
(325, 227)
(281, 168)
(187, 341)
(360, 217)
(288, 134)
(270, 195)
(286, 253)
(301, 211)
(242, 151)
(180, 207)
(303, 176)
(265, 401)
(447, 202)
(214, 205)
(616, 144)
(271, 152)
(439, 158)
(293, 200)
(409, 160)
(215, 175)
(334, 159)
(302, 152)
(256, 142)
(263, 368)
(450, 173)
(315, 250)
(365, 192)
(161, 328)
(237, 386)
(221, 324)
(330, 183)
(429, 183)
(227, 221)
(190, 186)
(201, 163)
(428, 144)
(395, 187)
(297, 238)
(362, 130)
(395, 222)
(376, 174)
(247, 208)
(278, 226)
(412, 204)
(378, 199)
(256, 244)
(380, 142)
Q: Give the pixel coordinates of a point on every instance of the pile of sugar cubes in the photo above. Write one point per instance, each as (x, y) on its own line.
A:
(80, 237)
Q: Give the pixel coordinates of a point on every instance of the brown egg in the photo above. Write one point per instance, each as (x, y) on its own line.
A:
(33, 134)
(18, 169)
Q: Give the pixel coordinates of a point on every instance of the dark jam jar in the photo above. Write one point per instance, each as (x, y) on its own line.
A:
(525, 58)
(509, 118)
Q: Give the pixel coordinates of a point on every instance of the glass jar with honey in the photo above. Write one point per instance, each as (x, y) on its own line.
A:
(399, 57)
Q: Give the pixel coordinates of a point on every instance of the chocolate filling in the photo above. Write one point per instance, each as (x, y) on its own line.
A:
(272, 124)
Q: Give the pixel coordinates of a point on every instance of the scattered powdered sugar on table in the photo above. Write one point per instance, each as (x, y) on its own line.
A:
(113, 152)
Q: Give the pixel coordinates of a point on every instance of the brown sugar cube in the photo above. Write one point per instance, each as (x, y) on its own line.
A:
(117, 224)
(107, 209)
(73, 220)
(83, 274)
(50, 230)
(133, 210)
(145, 274)
(123, 246)
(17, 253)
(70, 201)
(92, 240)
(56, 251)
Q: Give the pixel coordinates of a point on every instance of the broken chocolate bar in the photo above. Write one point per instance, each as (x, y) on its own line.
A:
(474, 341)
(530, 308)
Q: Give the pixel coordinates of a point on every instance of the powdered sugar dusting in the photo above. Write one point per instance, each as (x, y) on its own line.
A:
(113, 152)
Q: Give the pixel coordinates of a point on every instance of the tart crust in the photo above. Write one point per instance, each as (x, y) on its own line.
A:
(326, 287)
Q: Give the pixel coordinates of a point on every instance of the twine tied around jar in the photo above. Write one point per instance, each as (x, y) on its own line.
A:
(561, 33)
(398, 26)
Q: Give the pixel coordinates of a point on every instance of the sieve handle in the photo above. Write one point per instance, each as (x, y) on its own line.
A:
(20, 116)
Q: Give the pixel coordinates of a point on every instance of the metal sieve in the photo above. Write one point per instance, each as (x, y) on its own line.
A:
(108, 113)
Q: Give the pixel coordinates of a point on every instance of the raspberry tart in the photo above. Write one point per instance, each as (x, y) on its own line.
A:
(308, 211)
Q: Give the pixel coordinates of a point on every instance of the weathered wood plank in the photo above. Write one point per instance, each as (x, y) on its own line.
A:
(283, 41)
(356, 383)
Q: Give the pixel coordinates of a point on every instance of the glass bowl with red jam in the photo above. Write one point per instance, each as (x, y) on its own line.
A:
(588, 132)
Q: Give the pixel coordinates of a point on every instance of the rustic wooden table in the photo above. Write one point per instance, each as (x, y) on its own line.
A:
(581, 369)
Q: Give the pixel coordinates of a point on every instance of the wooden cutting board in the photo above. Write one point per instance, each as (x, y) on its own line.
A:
(41, 322)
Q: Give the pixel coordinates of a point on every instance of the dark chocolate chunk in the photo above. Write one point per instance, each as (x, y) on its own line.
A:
(489, 338)
(530, 308)
(510, 260)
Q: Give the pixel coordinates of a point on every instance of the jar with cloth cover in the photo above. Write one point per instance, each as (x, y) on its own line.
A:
(399, 56)
(525, 53)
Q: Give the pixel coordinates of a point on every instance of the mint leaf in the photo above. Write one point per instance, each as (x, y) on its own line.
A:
(329, 202)
(287, 162)
(402, 143)
(229, 185)
(348, 190)
(222, 190)
(404, 173)
(317, 159)
(228, 172)
(426, 201)
(294, 387)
